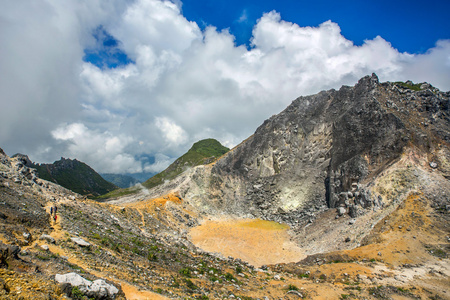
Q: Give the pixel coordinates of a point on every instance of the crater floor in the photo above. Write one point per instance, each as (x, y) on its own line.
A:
(255, 241)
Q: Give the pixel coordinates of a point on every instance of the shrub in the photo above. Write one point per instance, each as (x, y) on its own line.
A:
(186, 272)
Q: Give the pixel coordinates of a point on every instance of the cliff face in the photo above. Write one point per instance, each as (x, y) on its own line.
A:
(323, 151)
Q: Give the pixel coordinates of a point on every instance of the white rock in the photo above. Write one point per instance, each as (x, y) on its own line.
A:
(80, 242)
(47, 238)
(103, 289)
(98, 289)
(341, 210)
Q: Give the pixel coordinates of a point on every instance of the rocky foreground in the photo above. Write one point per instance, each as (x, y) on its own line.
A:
(364, 188)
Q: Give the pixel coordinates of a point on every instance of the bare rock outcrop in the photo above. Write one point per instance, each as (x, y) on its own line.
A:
(97, 289)
(321, 152)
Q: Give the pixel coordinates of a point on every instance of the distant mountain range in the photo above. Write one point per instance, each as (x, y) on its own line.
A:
(120, 180)
(82, 179)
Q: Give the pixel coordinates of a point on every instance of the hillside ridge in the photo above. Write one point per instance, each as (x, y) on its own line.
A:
(72, 174)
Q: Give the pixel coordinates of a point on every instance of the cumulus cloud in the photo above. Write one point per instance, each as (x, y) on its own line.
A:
(172, 133)
(92, 146)
(184, 84)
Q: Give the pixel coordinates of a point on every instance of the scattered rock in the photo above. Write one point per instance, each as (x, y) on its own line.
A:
(8, 252)
(45, 247)
(341, 210)
(294, 292)
(47, 238)
(80, 242)
(97, 289)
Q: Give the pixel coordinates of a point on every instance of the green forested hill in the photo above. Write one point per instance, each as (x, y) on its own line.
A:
(204, 151)
(73, 175)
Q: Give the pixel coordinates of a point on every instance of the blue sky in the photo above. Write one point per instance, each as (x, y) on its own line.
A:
(115, 82)
(411, 26)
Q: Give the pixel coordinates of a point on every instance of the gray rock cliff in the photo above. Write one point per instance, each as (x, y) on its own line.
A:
(320, 153)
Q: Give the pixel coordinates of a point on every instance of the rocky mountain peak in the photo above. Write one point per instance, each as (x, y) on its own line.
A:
(322, 152)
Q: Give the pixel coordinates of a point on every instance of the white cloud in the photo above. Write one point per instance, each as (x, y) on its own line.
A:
(161, 163)
(173, 134)
(156, 24)
(185, 84)
(104, 151)
(244, 17)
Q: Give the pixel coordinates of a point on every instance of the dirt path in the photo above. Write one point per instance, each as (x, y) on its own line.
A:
(131, 292)
(255, 241)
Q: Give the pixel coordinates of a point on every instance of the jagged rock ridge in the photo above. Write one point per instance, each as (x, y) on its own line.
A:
(323, 151)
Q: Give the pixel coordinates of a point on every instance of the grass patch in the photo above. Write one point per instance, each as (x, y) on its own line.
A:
(190, 285)
(230, 277)
(186, 272)
(437, 252)
(414, 87)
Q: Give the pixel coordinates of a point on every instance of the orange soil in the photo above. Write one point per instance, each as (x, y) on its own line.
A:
(132, 293)
(156, 202)
(255, 241)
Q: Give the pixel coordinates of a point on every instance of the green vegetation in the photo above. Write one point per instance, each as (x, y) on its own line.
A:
(190, 284)
(74, 175)
(414, 87)
(119, 193)
(436, 251)
(77, 294)
(204, 151)
(230, 277)
(292, 287)
(186, 272)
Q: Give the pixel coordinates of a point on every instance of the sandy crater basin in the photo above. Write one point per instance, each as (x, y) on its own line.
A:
(255, 241)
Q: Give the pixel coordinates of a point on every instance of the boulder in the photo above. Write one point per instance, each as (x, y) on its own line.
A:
(8, 252)
(47, 238)
(80, 242)
(97, 289)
